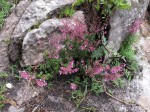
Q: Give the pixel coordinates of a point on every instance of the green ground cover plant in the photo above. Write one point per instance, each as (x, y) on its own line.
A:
(4, 9)
(2, 97)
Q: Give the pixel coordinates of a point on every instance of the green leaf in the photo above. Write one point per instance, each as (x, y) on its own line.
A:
(101, 51)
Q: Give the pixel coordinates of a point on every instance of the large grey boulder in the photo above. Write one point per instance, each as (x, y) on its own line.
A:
(122, 19)
(35, 13)
(24, 16)
(36, 42)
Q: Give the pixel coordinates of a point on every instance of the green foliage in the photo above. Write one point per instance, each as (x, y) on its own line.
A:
(128, 52)
(4, 9)
(2, 89)
(3, 75)
(77, 96)
(16, 1)
(122, 4)
(49, 68)
(14, 70)
(67, 12)
(2, 98)
(126, 48)
(128, 75)
(98, 53)
(108, 6)
(116, 62)
(119, 83)
(75, 53)
(78, 2)
(96, 87)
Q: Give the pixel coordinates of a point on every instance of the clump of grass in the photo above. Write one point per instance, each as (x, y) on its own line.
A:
(2, 97)
(4, 9)
(128, 52)
(126, 48)
(3, 75)
(67, 12)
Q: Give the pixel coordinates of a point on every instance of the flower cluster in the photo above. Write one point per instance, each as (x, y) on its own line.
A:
(25, 75)
(77, 32)
(75, 29)
(135, 26)
(113, 73)
(109, 73)
(69, 69)
(72, 29)
(73, 86)
(96, 69)
(77, 46)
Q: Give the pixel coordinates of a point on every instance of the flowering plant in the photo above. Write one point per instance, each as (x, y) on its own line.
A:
(25, 75)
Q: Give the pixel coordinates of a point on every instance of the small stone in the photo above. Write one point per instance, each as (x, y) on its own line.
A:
(9, 85)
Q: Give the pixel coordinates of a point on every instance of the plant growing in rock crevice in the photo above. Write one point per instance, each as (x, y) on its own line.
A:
(79, 53)
(127, 50)
(77, 59)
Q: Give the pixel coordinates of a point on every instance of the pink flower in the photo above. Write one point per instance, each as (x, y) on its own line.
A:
(98, 70)
(116, 69)
(69, 69)
(41, 82)
(113, 73)
(135, 26)
(73, 86)
(24, 75)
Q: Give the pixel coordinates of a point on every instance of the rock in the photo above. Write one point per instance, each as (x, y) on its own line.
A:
(147, 15)
(34, 14)
(122, 19)
(7, 31)
(36, 42)
(15, 50)
(21, 93)
(145, 29)
(9, 85)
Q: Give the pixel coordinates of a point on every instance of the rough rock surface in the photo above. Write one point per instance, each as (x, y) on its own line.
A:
(7, 31)
(21, 93)
(36, 12)
(122, 19)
